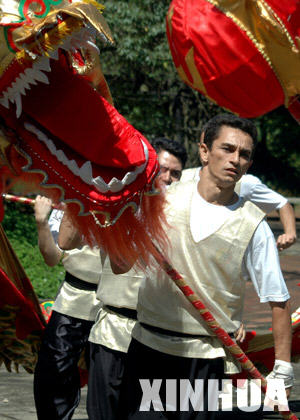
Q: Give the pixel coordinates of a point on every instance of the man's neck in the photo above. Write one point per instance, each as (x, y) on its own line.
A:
(212, 192)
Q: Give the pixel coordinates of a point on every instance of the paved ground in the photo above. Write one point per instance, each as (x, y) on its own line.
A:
(16, 397)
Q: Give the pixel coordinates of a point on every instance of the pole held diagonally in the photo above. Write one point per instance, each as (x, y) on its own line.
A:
(215, 327)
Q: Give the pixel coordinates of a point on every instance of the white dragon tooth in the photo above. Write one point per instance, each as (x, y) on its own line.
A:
(130, 177)
(115, 185)
(100, 184)
(4, 100)
(13, 89)
(93, 46)
(29, 72)
(41, 77)
(42, 64)
(72, 165)
(20, 86)
(51, 146)
(4, 103)
(25, 81)
(61, 156)
(18, 101)
(10, 94)
(54, 54)
(86, 172)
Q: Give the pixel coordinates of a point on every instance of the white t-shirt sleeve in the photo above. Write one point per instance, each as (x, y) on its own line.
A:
(54, 223)
(261, 264)
(254, 190)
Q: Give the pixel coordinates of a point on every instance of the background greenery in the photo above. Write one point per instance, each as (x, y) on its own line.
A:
(149, 93)
(20, 228)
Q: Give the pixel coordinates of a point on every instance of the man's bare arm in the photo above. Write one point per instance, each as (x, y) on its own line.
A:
(287, 217)
(69, 237)
(50, 252)
(282, 334)
(282, 330)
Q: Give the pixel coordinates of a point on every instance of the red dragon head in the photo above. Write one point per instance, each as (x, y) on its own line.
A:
(60, 134)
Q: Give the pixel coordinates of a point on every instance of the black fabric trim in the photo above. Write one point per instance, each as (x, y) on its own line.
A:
(129, 313)
(175, 333)
(80, 284)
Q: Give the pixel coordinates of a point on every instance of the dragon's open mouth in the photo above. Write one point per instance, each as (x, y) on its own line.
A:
(61, 135)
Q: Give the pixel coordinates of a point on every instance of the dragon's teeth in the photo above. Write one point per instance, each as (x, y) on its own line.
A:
(61, 156)
(29, 73)
(26, 82)
(20, 86)
(18, 101)
(92, 45)
(115, 185)
(54, 54)
(51, 146)
(42, 64)
(41, 77)
(86, 172)
(10, 94)
(100, 184)
(4, 100)
(72, 165)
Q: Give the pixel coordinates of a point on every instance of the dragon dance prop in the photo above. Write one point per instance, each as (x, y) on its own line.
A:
(23, 200)
(217, 330)
(242, 54)
(21, 319)
(60, 134)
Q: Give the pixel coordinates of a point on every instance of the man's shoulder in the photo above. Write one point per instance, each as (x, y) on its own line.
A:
(177, 187)
(179, 194)
(250, 179)
(190, 174)
(251, 211)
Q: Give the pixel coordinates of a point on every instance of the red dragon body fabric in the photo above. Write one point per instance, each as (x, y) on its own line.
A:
(60, 133)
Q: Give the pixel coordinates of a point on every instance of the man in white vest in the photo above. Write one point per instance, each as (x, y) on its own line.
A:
(251, 188)
(218, 241)
(56, 379)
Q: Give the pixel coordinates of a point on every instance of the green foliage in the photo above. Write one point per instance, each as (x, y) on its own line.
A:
(19, 223)
(277, 159)
(20, 228)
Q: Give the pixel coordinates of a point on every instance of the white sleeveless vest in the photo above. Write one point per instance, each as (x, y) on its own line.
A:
(119, 290)
(83, 263)
(212, 268)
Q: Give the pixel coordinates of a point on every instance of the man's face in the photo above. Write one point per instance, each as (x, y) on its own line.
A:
(170, 167)
(229, 157)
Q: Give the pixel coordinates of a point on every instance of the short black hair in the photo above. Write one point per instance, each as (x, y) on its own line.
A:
(172, 146)
(213, 126)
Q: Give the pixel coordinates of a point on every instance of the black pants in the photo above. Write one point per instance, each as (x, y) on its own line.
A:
(145, 363)
(105, 379)
(56, 377)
